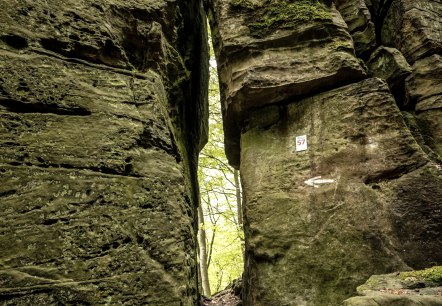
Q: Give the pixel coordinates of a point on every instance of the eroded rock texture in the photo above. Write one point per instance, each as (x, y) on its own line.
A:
(421, 287)
(102, 113)
(292, 68)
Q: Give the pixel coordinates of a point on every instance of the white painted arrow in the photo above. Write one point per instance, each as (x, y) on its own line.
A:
(316, 181)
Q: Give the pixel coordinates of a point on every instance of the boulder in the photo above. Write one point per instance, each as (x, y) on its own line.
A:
(413, 288)
(385, 299)
(362, 199)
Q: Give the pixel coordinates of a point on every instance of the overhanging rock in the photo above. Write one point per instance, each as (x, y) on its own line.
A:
(262, 64)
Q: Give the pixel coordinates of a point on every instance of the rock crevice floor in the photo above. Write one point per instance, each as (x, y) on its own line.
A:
(223, 298)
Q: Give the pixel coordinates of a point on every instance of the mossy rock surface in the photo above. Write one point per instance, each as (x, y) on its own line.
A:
(410, 288)
(271, 51)
(268, 16)
(433, 274)
(314, 245)
(100, 124)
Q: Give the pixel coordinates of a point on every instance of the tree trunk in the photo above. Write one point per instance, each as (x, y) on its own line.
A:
(203, 253)
(238, 198)
(239, 207)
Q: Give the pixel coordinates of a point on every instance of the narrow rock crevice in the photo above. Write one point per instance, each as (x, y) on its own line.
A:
(134, 74)
(392, 174)
(102, 169)
(17, 106)
(7, 193)
(379, 10)
(15, 41)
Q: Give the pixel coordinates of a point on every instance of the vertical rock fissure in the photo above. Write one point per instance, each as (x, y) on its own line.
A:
(378, 15)
(221, 230)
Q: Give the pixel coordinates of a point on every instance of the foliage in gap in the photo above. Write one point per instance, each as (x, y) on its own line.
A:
(219, 199)
(279, 14)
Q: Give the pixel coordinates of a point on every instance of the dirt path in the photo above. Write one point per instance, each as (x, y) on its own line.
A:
(224, 298)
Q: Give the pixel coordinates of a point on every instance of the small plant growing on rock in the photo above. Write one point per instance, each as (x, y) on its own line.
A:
(242, 4)
(433, 274)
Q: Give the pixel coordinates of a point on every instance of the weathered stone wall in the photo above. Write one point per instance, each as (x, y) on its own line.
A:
(102, 113)
(360, 80)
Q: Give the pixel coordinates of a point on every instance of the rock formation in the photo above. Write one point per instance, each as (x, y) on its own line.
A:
(365, 196)
(423, 287)
(102, 114)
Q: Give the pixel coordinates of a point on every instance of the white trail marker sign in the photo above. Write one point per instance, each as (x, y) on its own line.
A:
(316, 181)
(301, 143)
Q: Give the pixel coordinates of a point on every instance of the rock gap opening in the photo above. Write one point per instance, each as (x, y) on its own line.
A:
(220, 232)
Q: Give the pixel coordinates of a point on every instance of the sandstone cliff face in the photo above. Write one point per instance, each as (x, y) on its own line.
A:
(297, 68)
(102, 113)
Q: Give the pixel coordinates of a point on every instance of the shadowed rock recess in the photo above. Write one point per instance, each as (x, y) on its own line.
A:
(361, 79)
(102, 114)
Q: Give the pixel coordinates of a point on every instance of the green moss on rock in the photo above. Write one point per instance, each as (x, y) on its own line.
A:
(433, 274)
(242, 4)
(280, 14)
